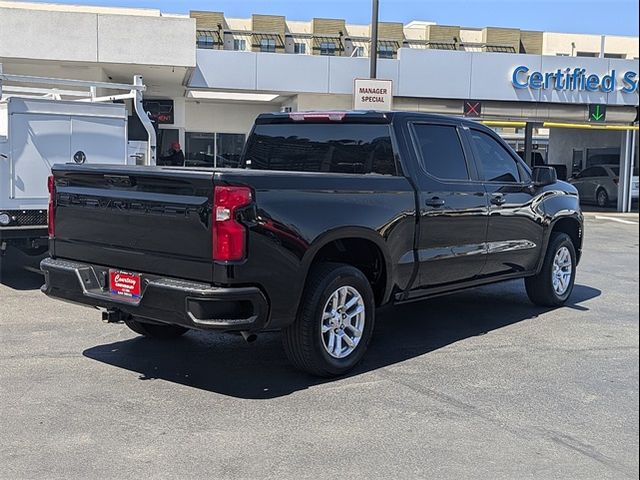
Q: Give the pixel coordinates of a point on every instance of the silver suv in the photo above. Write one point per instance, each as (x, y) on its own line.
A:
(599, 184)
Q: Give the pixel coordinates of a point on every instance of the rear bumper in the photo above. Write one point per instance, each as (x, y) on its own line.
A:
(164, 300)
(38, 234)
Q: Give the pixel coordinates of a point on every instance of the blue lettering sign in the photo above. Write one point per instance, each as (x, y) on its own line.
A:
(576, 79)
(516, 74)
(593, 81)
(535, 80)
(630, 82)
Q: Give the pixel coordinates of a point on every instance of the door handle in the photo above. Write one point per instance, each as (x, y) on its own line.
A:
(435, 202)
(498, 199)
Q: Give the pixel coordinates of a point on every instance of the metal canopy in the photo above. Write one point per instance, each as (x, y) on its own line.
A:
(214, 35)
(257, 39)
(318, 40)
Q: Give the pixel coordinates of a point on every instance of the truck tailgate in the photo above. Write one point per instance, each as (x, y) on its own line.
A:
(140, 219)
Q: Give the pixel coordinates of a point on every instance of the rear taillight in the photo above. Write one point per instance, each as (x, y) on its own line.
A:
(51, 185)
(229, 235)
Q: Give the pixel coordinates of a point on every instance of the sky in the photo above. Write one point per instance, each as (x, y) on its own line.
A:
(612, 17)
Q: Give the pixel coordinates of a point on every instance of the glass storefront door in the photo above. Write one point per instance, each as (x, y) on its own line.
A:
(213, 149)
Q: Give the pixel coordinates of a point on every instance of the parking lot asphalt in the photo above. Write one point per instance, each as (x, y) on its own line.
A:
(477, 385)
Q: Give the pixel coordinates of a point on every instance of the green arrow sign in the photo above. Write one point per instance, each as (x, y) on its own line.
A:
(597, 113)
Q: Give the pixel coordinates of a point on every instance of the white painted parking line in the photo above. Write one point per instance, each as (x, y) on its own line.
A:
(614, 219)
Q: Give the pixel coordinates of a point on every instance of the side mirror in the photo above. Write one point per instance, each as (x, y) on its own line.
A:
(543, 176)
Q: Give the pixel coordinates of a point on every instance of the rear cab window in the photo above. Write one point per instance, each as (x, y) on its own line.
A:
(347, 148)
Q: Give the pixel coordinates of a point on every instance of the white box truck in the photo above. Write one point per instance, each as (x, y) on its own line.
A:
(40, 127)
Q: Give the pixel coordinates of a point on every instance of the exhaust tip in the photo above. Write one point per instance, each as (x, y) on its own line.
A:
(249, 337)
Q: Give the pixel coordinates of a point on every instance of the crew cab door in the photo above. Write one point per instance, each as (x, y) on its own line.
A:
(515, 233)
(453, 207)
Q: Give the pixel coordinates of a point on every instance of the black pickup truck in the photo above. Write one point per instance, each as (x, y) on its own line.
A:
(333, 215)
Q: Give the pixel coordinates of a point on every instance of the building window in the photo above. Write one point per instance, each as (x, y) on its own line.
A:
(300, 48)
(205, 41)
(239, 45)
(358, 52)
(328, 48)
(385, 51)
(268, 45)
(586, 54)
(221, 150)
(615, 55)
(562, 55)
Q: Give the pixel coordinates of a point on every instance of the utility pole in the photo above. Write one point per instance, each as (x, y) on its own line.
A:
(373, 51)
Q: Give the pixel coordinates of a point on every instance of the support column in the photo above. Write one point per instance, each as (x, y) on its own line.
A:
(626, 171)
(528, 143)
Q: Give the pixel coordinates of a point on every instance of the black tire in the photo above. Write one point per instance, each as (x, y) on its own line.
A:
(157, 331)
(540, 288)
(602, 198)
(304, 342)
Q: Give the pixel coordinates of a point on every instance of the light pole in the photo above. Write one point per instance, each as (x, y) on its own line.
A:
(373, 51)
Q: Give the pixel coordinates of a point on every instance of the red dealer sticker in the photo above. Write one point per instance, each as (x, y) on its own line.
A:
(124, 284)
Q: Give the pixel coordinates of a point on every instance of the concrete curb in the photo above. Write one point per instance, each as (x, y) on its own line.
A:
(627, 216)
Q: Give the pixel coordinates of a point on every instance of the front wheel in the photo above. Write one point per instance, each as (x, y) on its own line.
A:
(553, 286)
(602, 198)
(335, 324)
(153, 330)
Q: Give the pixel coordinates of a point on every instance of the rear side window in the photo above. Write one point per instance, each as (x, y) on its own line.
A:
(319, 147)
(441, 151)
(497, 164)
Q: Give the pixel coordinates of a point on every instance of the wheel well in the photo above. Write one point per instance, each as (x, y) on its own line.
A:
(363, 254)
(571, 227)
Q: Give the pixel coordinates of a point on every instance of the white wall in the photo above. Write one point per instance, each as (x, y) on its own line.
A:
(562, 143)
(33, 34)
(561, 43)
(215, 117)
(416, 73)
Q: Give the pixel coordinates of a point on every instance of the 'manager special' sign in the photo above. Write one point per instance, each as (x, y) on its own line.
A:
(373, 95)
(577, 79)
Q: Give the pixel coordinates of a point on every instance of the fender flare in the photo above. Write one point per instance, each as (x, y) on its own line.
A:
(358, 233)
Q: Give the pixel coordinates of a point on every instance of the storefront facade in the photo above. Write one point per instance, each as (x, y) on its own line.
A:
(576, 96)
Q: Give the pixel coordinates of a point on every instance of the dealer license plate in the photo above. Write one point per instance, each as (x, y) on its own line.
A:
(124, 284)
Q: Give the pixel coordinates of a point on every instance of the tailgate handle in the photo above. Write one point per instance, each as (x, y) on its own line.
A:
(120, 180)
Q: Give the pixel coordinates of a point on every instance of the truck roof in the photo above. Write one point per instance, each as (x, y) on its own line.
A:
(352, 116)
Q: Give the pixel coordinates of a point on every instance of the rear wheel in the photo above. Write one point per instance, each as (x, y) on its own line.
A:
(553, 286)
(153, 330)
(335, 324)
(602, 198)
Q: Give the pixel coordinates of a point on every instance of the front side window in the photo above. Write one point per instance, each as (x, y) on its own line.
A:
(320, 147)
(268, 45)
(441, 151)
(496, 162)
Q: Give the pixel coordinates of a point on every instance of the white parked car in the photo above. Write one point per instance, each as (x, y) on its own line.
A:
(599, 184)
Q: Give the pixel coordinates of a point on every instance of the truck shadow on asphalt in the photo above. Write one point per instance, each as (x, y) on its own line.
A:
(20, 272)
(225, 364)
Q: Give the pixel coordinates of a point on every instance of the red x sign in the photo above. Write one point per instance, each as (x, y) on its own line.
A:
(472, 108)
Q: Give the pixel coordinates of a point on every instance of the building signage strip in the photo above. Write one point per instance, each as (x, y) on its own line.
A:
(577, 79)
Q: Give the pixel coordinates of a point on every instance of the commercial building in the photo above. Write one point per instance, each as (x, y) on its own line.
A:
(215, 74)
